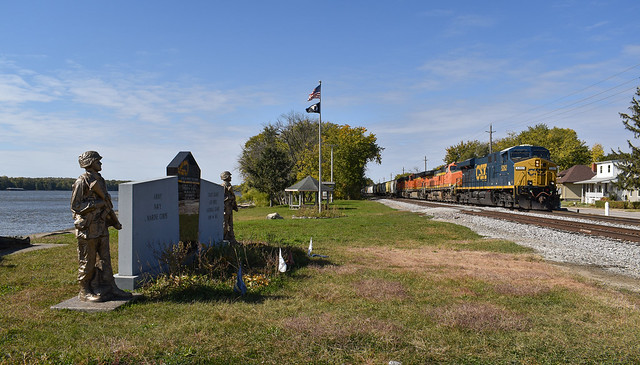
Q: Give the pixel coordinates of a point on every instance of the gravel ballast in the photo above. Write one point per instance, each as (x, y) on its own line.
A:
(614, 256)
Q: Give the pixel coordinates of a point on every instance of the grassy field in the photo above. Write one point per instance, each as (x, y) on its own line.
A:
(395, 286)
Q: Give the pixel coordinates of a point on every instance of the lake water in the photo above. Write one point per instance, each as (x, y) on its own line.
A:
(27, 212)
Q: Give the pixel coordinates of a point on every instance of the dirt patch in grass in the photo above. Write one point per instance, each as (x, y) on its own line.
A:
(479, 317)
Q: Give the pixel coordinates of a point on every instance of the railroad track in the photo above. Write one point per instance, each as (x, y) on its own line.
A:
(595, 217)
(620, 233)
(592, 228)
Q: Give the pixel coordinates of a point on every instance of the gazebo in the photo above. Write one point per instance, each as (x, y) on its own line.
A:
(305, 189)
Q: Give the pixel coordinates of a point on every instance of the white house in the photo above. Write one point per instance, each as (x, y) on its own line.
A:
(601, 185)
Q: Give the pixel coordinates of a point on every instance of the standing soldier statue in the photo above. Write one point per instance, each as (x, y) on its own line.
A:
(229, 206)
(93, 214)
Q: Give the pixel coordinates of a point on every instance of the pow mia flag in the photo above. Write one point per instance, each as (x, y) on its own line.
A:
(315, 108)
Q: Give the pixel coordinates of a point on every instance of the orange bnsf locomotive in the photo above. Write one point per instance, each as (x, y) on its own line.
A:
(517, 177)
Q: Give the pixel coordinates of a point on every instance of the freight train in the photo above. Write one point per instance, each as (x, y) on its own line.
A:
(522, 177)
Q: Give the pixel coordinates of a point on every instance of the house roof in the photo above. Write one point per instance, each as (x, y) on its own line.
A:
(575, 174)
(597, 180)
(308, 184)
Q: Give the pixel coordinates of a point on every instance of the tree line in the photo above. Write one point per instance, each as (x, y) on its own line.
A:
(287, 151)
(47, 183)
(563, 144)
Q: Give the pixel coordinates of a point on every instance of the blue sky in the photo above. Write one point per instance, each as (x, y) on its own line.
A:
(140, 81)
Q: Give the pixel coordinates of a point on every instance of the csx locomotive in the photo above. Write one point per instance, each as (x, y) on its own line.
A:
(518, 177)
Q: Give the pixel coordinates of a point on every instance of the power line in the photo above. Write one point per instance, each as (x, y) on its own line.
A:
(576, 92)
(561, 108)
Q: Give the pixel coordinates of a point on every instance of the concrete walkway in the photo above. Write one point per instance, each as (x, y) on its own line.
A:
(612, 212)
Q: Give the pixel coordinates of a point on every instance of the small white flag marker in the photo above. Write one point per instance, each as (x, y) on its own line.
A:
(282, 265)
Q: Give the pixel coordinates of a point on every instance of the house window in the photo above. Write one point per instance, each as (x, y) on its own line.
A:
(600, 169)
(609, 168)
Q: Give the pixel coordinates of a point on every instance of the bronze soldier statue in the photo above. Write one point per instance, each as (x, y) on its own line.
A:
(229, 206)
(93, 214)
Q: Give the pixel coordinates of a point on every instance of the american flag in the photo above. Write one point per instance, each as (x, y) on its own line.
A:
(315, 94)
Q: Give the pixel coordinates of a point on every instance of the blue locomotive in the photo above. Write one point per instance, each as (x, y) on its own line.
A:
(518, 177)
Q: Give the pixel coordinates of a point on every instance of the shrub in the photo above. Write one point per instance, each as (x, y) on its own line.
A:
(254, 196)
(207, 270)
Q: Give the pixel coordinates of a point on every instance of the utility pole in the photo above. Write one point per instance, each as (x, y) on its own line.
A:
(490, 131)
(332, 145)
(320, 155)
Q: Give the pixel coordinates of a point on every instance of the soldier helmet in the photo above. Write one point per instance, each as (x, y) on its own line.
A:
(86, 159)
(225, 175)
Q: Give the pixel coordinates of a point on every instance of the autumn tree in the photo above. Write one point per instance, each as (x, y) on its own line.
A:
(629, 165)
(597, 153)
(353, 148)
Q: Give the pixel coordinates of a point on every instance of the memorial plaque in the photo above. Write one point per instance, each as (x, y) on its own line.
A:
(185, 167)
(211, 213)
(148, 211)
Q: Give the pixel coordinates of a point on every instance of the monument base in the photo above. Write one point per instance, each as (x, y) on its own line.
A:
(75, 304)
(129, 282)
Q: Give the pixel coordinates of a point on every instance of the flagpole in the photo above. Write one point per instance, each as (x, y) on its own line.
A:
(320, 154)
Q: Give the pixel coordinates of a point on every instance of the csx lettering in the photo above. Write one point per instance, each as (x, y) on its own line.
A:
(481, 172)
(536, 172)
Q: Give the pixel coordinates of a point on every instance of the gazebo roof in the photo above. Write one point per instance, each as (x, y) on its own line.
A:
(308, 184)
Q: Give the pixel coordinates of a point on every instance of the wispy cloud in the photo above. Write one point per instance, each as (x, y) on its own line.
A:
(468, 67)
(118, 113)
(15, 89)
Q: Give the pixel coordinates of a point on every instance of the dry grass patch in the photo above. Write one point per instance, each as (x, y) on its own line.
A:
(380, 290)
(327, 292)
(509, 274)
(479, 317)
(329, 327)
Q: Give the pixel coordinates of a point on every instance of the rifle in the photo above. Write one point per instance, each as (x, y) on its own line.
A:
(110, 216)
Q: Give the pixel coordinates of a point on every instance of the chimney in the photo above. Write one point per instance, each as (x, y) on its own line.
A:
(594, 167)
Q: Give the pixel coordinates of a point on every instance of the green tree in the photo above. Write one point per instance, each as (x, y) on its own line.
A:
(629, 165)
(265, 164)
(466, 150)
(288, 151)
(300, 134)
(563, 144)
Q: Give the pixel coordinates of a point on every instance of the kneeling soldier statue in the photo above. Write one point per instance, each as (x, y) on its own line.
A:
(93, 214)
